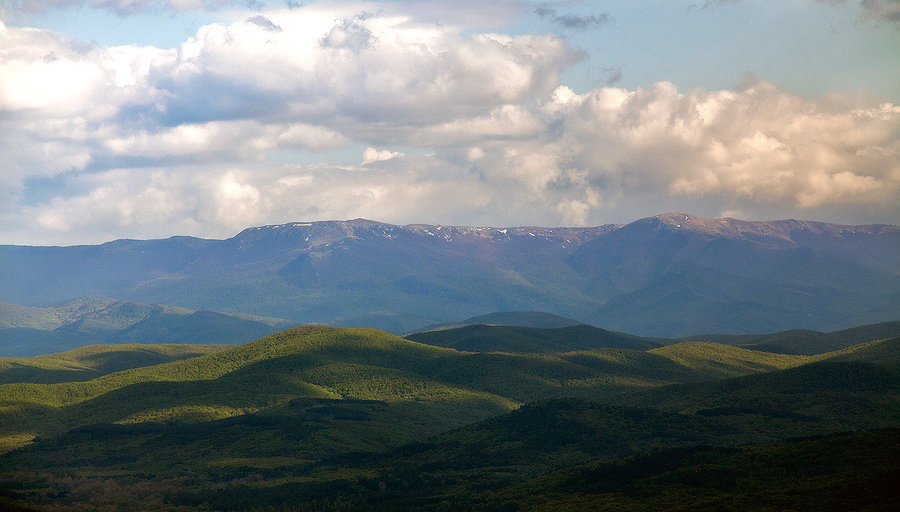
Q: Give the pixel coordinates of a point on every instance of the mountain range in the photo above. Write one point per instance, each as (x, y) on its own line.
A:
(668, 275)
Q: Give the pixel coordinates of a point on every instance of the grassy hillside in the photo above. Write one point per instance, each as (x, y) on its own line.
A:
(499, 337)
(329, 362)
(506, 338)
(720, 361)
(574, 455)
(331, 418)
(884, 352)
(90, 362)
(806, 342)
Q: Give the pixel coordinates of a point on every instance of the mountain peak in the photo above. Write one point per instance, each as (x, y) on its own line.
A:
(776, 231)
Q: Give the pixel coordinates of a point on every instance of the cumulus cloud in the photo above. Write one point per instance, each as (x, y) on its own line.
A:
(371, 155)
(244, 90)
(351, 34)
(757, 144)
(140, 141)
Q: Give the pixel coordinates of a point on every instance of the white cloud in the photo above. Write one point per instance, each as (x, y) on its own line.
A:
(130, 141)
(371, 155)
(756, 144)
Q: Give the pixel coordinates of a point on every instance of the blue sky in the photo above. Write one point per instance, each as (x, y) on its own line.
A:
(149, 118)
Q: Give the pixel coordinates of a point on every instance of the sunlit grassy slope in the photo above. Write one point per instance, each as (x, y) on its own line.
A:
(508, 338)
(569, 454)
(445, 386)
(86, 363)
(359, 417)
(804, 341)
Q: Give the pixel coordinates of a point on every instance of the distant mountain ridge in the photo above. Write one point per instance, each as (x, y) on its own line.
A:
(30, 331)
(669, 275)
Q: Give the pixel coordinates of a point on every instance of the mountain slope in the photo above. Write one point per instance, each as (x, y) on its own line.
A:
(677, 274)
(669, 275)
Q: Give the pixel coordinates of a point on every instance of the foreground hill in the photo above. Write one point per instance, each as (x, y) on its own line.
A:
(29, 331)
(440, 387)
(669, 275)
(354, 419)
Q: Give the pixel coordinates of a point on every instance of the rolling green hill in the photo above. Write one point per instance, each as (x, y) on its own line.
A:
(86, 363)
(323, 362)
(884, 352)
(327, 362)
(506, 338)
(574, 455)
(496, 336)
(806, 342)
(333, 418)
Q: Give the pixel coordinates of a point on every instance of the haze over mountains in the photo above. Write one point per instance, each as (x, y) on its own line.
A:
(668, 275)
(30, 331)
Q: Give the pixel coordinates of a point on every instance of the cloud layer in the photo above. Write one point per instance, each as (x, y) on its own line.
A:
(420, 122)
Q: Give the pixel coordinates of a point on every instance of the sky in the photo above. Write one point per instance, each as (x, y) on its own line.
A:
(153, 118)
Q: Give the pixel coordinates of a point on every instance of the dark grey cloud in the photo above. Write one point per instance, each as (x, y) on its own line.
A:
(881, 10)
(612, 74)
(572, 21)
